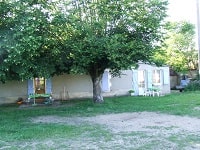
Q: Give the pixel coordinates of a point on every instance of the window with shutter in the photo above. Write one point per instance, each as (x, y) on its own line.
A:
(39, 86)
(141, 78)
(156, 77)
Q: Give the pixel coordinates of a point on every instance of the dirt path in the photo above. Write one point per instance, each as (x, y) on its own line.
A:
(126, 122)
(155, 127)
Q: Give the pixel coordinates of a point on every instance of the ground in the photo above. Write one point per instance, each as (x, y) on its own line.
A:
(144, 130)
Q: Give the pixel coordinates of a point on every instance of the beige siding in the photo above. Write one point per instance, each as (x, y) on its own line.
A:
(12, 90)
(74, 86)
(80, 86)
(121, 85)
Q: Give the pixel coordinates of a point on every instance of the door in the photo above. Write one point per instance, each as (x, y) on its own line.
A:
(141, 81)
(39, 84)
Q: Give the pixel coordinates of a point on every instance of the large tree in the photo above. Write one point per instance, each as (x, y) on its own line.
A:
(113, 34)
(81, 36)
(32, 40)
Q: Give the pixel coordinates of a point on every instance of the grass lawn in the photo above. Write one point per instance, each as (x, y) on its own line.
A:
(18, 132)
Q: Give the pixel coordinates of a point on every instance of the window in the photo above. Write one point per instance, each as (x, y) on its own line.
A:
(39, 85)
(156, 76)
(141, 78)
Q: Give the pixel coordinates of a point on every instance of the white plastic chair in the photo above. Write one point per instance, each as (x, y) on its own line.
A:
(156, 91)
(147, 92)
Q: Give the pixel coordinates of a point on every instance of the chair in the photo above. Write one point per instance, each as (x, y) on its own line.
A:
(152, 92)
(156, 91)
(147, 92)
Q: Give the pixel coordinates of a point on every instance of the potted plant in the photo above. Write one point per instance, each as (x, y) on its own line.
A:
(132, 92)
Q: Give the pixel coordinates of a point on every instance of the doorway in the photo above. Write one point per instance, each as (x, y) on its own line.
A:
(39, 85)
(141, 81)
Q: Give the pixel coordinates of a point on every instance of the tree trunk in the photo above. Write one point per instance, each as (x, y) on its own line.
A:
(97, 92)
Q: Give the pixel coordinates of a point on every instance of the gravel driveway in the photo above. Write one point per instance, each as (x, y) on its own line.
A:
(144, 130)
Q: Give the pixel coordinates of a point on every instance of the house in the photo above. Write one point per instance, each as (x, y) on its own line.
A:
(149, 76)
(80, 86)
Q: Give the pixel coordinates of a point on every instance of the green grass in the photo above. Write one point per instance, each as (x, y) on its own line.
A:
(15, 126)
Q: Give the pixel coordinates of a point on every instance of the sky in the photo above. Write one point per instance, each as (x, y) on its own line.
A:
(182, 10)
(179, 10)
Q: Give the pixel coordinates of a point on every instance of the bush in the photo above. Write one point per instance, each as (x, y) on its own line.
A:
(193, 86)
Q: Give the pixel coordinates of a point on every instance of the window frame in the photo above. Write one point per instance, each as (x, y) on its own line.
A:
(156, 72)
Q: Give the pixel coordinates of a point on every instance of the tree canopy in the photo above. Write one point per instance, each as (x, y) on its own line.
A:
(181, 54)
(31, 41)
(44, 38)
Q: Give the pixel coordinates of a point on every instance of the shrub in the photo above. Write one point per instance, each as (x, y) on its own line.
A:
(193, 86)
(131, 91)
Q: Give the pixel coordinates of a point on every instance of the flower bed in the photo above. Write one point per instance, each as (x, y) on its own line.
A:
(40, 98)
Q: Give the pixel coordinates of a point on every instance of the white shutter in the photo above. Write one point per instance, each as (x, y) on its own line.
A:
(166, 75)
(105, 82)
(149, 78)
(48, 86)
(161, 76)
(135, 81)
(145, 79)
(30, 87)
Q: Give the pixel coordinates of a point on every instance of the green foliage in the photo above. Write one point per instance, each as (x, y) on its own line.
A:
(44, 39)
(131, 91)
(31, 46)
(180, 47)
(193, 86)
(114, 34)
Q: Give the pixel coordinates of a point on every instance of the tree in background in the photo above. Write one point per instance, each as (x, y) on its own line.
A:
(181, 54)
(80, 36)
